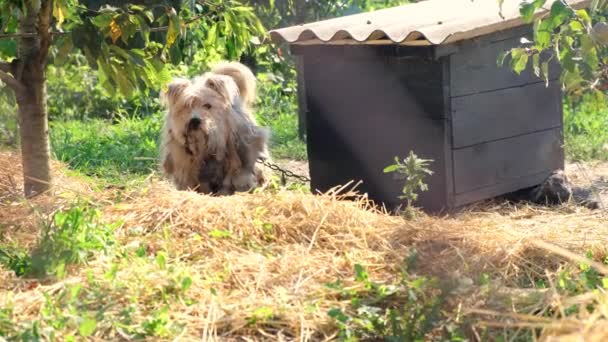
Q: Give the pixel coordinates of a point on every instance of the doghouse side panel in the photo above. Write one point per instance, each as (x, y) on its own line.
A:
(506, 128)
(474, 67)
(509, 162)
(366, 108)
(505, 113)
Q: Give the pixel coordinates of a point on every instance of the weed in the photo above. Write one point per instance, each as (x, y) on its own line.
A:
(71, 237)
(412, 171)
(260, 315)
(15, 259)
(406, 310)
(581, 280)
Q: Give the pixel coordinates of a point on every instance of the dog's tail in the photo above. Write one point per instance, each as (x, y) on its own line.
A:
(242, 76)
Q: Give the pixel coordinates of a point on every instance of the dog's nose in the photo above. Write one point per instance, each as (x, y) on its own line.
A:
(194, 123)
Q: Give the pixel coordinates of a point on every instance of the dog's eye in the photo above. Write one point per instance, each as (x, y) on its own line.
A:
(207, 106)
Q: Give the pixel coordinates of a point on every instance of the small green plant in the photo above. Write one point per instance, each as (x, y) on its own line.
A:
(15, 259)
(71, 237)
(412, 170)
(406, 310)
(581, 280)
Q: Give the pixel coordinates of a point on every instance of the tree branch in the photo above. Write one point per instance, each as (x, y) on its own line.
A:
(11, 81)
(44, 30)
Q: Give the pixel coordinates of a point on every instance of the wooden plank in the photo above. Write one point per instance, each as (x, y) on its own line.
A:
(501, 189)
(302, 107)
(505, 113)
(484, 40)
(505, 161)
(475, 70)
(448, 136)
(361, 52)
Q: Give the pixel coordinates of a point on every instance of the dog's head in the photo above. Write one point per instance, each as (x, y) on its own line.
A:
(198, 110)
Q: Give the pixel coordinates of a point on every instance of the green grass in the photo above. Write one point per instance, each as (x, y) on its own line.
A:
(129, 147)
(586, 129)
(112, 151)
(277, 109)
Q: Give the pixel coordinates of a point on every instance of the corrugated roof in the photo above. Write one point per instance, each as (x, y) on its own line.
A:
(428, 22)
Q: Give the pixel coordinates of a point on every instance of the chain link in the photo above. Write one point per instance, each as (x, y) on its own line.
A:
(284, 173)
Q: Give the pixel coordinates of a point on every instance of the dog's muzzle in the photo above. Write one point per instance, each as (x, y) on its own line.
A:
(194, 124)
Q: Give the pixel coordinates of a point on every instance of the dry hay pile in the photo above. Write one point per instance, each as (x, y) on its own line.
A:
(278, 250)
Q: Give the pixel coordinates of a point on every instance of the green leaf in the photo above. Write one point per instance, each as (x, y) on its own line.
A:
(136, 8)
(361, 274)
(559, 13)
(174, 27)
(87, 327)
(102, 21)
(59, 12)
(576, 26)
(212, 35)
(220, 234)
(542, 34)
(144, 29)
(186, 283)
(519, 60)
(391, 168)
(8, 48)
(527, 11)
(584, 16)
(161, 260)
(337, 314)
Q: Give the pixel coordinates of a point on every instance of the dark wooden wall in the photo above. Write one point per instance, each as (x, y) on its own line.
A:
(506, 128)
(365, 106)
(488, 130)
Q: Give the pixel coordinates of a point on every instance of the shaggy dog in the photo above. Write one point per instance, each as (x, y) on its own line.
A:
(210, 140)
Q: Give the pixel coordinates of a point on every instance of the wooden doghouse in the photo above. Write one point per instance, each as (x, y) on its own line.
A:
(424, 77)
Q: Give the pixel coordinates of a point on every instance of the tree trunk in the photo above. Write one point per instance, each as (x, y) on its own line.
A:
(33, 128)
(31, 97)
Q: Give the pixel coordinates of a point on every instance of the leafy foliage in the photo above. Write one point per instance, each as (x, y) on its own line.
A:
(576, 38)
(119, 42)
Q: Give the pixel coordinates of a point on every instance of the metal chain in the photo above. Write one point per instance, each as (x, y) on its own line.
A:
(284, 173)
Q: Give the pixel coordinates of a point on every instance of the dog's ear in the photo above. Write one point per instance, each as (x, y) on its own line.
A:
(174, 90)
(224, 86)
